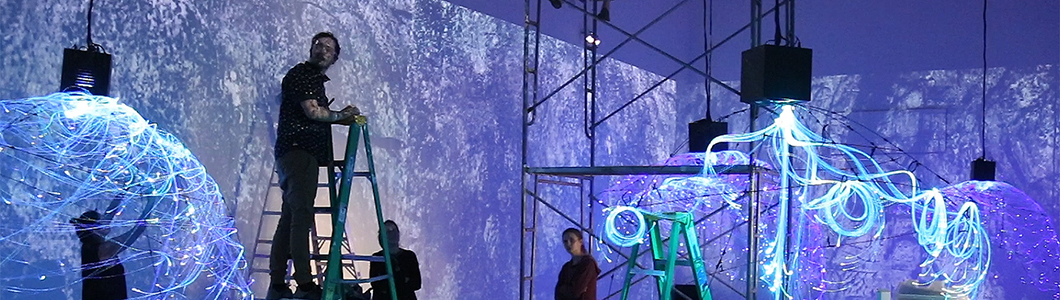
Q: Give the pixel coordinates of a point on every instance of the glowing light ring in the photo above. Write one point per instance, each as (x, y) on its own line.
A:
(615, 236)
(835, 204)
(68, 153)
(697, 194)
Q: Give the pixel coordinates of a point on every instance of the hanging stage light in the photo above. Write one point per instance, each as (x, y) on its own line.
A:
(701, 132)
(983, 170)
(87, 69)
(591, 41)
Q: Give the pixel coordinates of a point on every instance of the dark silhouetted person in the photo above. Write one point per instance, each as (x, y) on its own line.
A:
(577, 279)
(103, 276)
(303, 139)
(406, 268)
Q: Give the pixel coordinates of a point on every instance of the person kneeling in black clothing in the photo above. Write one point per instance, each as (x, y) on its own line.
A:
(406, 268)
(103, 276)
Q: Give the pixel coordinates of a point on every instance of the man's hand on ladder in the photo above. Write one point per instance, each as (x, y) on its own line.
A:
(359, 119)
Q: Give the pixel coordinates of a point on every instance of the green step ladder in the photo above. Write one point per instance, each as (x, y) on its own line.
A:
(334, 283)
(663, 264)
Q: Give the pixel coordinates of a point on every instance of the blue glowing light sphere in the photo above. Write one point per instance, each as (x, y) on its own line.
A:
(68, 153)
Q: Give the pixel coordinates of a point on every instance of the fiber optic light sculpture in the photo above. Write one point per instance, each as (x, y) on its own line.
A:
(1026, 253)
(844, 209)
(65, 154)
(848, 195)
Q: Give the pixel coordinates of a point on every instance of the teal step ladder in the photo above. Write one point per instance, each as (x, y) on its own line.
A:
(318, 242)
(663, 263)
(334, 283)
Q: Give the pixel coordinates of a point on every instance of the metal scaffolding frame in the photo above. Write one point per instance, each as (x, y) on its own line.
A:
(583, 177)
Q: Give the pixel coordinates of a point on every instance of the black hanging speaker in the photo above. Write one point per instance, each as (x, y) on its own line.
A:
(983, 170)
(86, 70)
(701, 132)
(778, 74)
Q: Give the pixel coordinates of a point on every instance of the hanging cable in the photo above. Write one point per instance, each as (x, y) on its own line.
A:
(789, 24)
(708, 43)
(777, 37)
(89, 45)
(88, 38)
(982, 132)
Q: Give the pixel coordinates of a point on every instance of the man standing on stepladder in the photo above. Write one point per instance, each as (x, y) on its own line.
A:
(303, 138)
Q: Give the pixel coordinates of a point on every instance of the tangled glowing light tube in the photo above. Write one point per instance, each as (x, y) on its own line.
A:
(869, 187)
(829, 189)
(65, 154)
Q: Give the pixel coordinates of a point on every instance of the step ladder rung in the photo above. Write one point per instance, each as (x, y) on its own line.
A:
(264, 241)
(661, 263)
(656, 273)
(272, 213)
(288, 277)
(337, 163)
(365, 174)
(365, 280)
(352, 257)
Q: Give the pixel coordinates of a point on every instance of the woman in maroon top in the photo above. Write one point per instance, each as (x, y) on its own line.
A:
(577, 279)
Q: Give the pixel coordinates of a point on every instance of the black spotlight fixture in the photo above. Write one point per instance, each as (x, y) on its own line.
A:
(775, 74)
(86, 69)
(591, 41)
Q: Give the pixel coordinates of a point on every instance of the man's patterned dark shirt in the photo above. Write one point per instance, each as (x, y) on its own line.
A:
(296, 130)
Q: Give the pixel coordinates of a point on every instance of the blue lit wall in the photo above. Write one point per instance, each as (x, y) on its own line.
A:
(442, 83)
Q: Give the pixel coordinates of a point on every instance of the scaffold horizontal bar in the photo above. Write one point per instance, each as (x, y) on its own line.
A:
(637, 170)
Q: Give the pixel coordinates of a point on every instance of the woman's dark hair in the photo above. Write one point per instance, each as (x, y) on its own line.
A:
(577, 233)
(327, 34)
(383, 230)
(90, 218)
(391, 222)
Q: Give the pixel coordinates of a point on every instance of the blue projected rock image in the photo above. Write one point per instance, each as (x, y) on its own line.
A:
(442, 85)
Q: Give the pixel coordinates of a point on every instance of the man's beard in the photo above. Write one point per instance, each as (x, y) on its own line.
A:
(321, 62)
